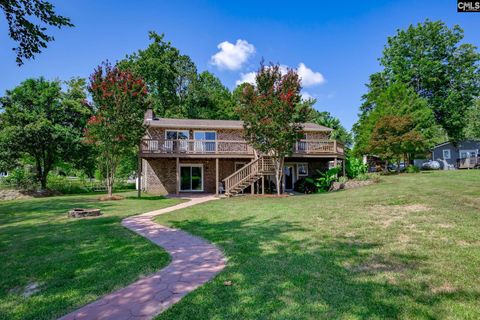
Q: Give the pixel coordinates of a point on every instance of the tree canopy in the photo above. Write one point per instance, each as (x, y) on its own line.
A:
(397, 100)
(31, 37)
(430, 59)
(41, 122)
(273, 113)
(339, 132)
(119, 103)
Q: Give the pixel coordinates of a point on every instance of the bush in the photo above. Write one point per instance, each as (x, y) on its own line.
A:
(321, 182)
(304, 186)
(73, 185)
(20, 178)
(354, 167)
(412, 169)
(368, 176)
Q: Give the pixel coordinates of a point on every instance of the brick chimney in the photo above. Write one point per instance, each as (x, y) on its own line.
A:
(149, 115)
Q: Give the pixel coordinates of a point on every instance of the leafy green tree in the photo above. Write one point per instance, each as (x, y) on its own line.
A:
(472, 130)
(430, 58)
(396, 100)
(120, 102)
(40, 122)
(22, 26)
(167, 73)
(273, 113)
(208, 98)
(395, 136)
(339, 132)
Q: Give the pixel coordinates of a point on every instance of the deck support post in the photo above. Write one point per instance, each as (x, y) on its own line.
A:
(177, 168)
(344, 162)
(263, 184)
(216, 176)
(252, 188)
(335, 162)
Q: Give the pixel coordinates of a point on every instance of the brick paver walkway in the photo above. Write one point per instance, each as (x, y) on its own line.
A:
(194, 262)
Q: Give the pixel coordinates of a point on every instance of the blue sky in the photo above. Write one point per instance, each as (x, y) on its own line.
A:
(337, 42)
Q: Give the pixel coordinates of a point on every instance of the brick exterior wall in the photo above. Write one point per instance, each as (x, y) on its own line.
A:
(159, 175)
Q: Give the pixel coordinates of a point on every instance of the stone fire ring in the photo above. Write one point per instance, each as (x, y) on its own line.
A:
(81, 213)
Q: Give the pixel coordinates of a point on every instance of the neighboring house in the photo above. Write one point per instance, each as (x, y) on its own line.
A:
(184, 155)
(461, 155)
(3, 174)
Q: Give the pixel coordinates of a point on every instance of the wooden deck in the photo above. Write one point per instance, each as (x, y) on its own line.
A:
(232, 148)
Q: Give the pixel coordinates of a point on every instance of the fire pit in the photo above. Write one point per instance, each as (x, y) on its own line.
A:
(80, 213)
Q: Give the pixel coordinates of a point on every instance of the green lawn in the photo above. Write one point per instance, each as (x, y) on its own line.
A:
(406, 248)
(74, 261)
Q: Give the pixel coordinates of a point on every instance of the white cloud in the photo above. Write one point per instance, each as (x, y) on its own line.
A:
(309, 77)
(306, 95)
(232, 56)
(246, 77)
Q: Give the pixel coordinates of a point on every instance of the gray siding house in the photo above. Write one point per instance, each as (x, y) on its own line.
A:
(463, 155)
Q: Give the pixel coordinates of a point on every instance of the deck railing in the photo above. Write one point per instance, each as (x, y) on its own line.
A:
(188, 146)
(318, 147)
(232, 147)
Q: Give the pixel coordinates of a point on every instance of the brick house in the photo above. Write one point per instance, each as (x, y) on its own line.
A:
(211, 156)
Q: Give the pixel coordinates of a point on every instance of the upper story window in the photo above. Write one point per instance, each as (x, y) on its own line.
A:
(176, 134)
(202, 141)
(205, 135)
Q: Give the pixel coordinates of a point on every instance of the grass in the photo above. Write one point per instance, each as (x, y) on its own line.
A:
(73, 261)
(406, 248)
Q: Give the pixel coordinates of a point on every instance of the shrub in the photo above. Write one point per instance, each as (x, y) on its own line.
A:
(412, 169)
(20, 178)
(323, 180)
(368, 176)
(354, 167)
(304, 186)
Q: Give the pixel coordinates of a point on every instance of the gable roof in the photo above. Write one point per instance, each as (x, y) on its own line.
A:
(215, 124)
(459, 143)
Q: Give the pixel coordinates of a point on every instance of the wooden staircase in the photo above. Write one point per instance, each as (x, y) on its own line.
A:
(248, 174)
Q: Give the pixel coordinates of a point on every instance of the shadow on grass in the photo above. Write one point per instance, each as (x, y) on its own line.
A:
(276, 274)
(148, 198)
(73, 260)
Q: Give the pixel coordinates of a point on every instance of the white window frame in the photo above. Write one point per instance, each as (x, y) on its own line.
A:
(305, 165)
(468, 151)
(169, 142)
(201, 145)
(449, 154)
(190, 165)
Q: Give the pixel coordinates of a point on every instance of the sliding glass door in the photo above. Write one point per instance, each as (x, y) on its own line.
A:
(191, 177)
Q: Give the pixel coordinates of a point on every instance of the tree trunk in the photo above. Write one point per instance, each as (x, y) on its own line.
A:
(279, 174)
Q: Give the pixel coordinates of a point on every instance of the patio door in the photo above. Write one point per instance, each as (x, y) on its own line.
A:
(191, 177)
(289, 178)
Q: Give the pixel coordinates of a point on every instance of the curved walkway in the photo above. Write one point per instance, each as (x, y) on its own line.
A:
(193, 262)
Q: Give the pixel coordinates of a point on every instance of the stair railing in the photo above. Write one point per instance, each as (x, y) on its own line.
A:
(261, 165)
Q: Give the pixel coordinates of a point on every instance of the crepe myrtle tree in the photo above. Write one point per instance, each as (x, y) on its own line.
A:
(273, 113)
(119, 102)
